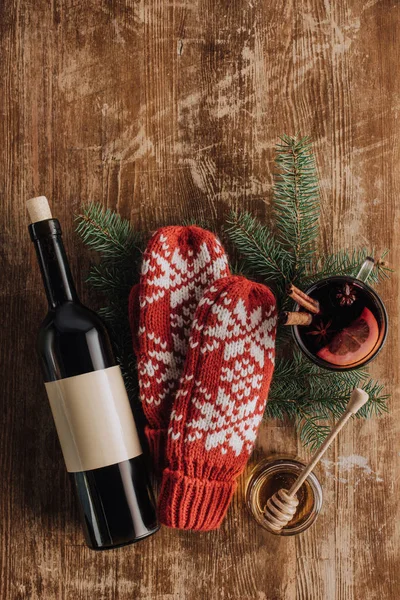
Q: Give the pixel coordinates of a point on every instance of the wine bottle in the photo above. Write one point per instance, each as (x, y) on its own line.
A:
(89, 402)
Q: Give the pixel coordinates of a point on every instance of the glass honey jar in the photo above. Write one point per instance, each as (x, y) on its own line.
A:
(274, 473)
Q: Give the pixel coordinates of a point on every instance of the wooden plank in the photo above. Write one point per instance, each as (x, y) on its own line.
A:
(166, 110)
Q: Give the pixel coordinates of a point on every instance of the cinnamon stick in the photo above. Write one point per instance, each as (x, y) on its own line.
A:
(303, 300)
(295, 318)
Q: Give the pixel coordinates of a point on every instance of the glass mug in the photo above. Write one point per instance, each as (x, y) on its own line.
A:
(352, 325)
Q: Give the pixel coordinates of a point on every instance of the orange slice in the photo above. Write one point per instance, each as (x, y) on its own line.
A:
(353, 343)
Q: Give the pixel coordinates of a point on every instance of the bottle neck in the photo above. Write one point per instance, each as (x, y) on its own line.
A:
(53, 262)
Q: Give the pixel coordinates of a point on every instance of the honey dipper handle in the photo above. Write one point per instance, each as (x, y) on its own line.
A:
(357, 400)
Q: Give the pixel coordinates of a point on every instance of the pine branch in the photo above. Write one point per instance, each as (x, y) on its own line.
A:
(306, 377)
(345, 263)
(283, 257)
(312, 397)
(107, 233)
(377, 403)
(259, 249)
(238, 267)
(111, 280)
(313, 417)
(296, 201)
(312, 432)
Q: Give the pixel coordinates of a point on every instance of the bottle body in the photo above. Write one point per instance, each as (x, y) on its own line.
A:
(90, 408)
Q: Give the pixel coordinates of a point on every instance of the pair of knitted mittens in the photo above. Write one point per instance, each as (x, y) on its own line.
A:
(205, 343)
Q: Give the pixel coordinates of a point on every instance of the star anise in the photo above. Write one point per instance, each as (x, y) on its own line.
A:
(321, 331)
(346, 295)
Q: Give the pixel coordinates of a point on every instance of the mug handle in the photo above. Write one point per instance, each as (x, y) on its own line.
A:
(366, 269)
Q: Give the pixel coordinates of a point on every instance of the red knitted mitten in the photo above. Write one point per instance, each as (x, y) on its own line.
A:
(220, 402)
(178, 264)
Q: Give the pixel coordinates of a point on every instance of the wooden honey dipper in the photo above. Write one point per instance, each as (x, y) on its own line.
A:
(282, 506)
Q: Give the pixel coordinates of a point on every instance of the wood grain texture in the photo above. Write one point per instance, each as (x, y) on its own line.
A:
(165, 110)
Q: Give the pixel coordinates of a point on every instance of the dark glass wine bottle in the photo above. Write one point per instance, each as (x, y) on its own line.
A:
(89, 403)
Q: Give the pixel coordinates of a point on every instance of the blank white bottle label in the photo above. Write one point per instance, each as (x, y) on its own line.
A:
(94, 419)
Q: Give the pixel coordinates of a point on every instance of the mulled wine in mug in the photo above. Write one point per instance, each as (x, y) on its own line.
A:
(348, 321)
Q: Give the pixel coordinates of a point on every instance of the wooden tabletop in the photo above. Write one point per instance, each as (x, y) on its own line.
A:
(163, 110)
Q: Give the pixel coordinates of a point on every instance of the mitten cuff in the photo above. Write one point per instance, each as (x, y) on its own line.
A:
(157, 441)
(198, 504)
